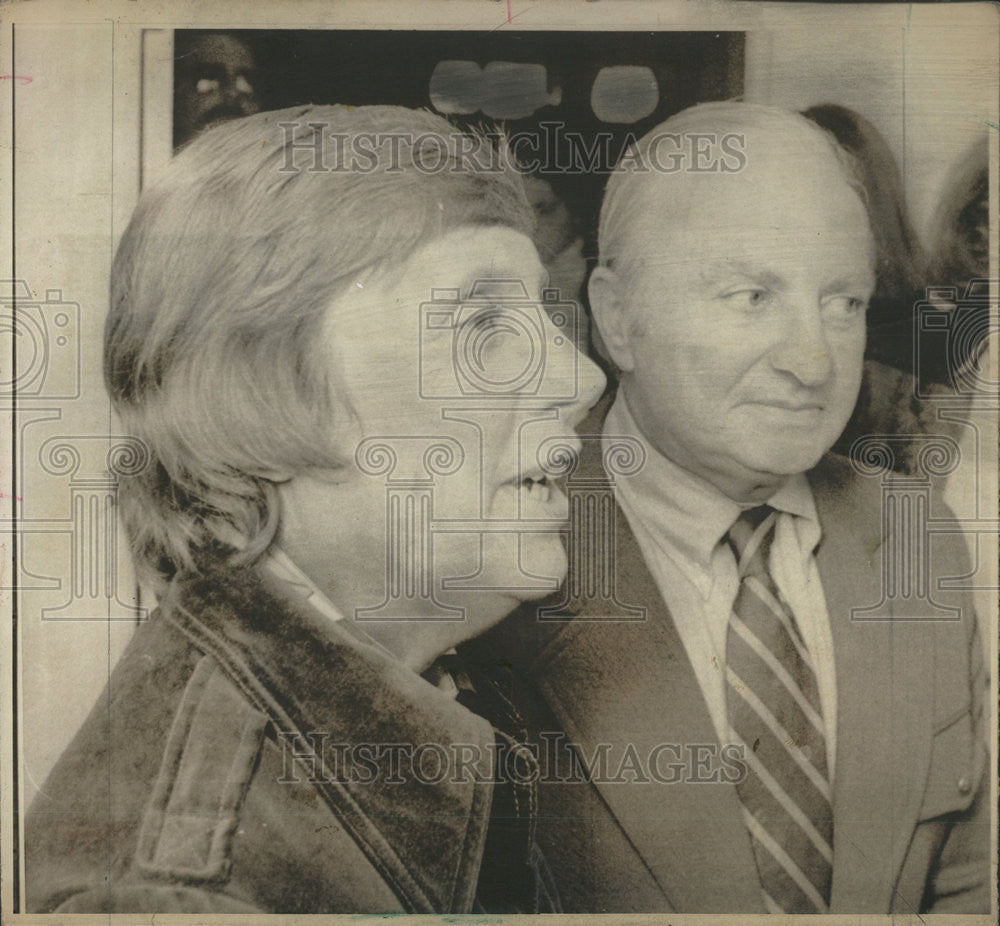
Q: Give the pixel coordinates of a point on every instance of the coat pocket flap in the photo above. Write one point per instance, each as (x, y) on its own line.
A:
(957, 764)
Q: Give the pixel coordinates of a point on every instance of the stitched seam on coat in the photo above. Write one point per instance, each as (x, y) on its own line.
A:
(375, 847)
(161, 821)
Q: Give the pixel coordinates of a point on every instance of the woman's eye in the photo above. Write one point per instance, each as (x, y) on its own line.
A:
(488, 318)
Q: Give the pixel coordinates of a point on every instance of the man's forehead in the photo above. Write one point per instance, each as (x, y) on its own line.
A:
(740, 240)
(774, 195)
(755, 249)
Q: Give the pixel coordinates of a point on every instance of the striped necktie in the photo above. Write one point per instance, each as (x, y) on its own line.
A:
(774, 710)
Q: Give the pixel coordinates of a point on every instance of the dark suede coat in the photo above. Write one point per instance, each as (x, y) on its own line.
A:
(205, 779)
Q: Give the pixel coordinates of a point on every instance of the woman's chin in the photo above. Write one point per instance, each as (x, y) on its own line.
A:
(543, 558)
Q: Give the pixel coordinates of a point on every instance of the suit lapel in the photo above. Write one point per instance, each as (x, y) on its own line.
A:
(882, 746)
(632, 683)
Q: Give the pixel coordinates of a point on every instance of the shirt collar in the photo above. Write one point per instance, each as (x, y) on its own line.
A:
(795, 497)
(297, 583)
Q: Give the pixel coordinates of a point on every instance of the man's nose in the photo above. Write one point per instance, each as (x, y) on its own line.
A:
(235, 92)
(804, 352)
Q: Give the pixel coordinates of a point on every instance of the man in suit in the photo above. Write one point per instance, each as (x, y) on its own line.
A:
(285, 734)
(734, 711)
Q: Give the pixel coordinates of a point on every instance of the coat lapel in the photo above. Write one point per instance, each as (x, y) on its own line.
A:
(632, 683)
(884, 671)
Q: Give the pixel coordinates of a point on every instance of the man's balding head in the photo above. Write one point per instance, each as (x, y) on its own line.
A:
(733, 298)
(708, 145)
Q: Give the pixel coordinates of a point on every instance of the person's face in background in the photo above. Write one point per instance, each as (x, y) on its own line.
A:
(215, 82)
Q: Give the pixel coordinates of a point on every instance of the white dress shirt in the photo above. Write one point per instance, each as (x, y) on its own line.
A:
(680, 523)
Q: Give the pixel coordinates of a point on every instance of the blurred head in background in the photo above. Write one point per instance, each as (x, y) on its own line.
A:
(560, 247)
(215, 79)
(901, 271)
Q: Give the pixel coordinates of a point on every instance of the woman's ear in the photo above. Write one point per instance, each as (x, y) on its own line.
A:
(609, 310)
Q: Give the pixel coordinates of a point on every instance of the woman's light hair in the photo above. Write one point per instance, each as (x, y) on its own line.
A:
(627, 186)
(213, 355)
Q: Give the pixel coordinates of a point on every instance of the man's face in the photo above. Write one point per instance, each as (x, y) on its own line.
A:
(216, 82)
(747, 316)
(408, 365)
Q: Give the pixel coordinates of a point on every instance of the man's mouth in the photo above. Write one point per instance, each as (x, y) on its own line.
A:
(791, 406)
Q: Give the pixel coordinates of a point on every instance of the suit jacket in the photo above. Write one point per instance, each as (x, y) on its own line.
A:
(654, 823)
(182, 792)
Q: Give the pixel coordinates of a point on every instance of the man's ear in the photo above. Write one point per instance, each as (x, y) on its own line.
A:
(609, 311)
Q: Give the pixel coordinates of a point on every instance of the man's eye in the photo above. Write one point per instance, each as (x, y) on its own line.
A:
(207, 85)
(243, 85)
(844, 306)
(749, 299)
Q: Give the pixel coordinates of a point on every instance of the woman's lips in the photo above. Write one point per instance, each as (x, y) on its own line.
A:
(538, 489)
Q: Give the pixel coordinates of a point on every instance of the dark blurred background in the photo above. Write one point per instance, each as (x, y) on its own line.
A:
(513, 80)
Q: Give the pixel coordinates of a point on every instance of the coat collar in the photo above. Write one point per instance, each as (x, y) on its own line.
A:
(312, 676)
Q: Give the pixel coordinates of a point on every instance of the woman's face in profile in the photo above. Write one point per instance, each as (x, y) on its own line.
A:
(460, 383)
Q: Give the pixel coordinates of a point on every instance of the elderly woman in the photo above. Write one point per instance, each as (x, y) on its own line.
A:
(311, 330)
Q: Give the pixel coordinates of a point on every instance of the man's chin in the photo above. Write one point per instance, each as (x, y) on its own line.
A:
(785, 461)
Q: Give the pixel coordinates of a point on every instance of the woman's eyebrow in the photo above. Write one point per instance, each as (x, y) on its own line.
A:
(494, 282)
